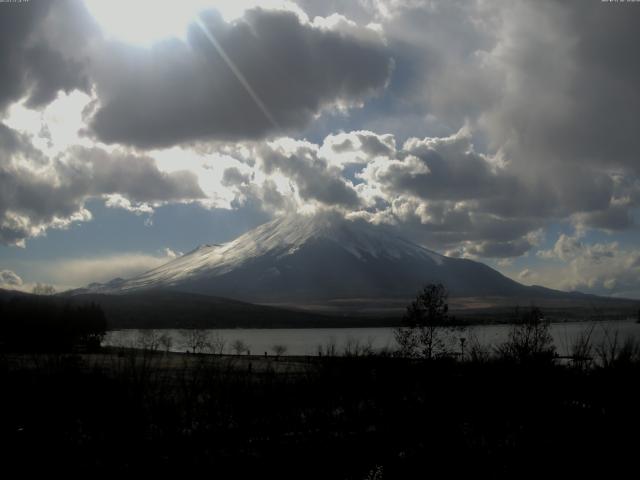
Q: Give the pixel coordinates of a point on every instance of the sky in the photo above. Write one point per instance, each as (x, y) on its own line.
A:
(501, 131)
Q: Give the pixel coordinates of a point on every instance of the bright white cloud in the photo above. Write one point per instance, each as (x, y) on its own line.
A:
(55, 127)
(145, 22)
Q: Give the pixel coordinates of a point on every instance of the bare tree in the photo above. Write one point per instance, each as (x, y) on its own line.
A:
(42, 289)
(426, 324)
(582, 348)
(279, 350)
(614, 350)
(216, 343)
(354, 347)
(195, 339)
(329, 349)
(166, 341)
(239, 347)
(149, 340)
(529, 338)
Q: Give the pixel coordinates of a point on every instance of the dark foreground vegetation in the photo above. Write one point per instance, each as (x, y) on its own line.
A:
(42, 324)
(427, 410)
(359, 417)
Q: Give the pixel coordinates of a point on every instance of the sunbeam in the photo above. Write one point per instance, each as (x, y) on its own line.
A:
(238, 74)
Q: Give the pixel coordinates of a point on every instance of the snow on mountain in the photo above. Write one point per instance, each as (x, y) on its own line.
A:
(315, 257)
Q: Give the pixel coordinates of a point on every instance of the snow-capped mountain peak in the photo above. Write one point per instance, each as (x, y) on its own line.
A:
(317, 256)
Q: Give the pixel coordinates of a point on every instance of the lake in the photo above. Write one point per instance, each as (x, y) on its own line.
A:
(306, 341)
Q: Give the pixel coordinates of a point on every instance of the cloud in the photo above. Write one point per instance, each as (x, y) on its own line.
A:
(494, 249)
(9, 279)
(566, 248)
(560, 62)
(285, 71)
(550, 81)
(232, 176)
(451, 197)
(492, 122)
(137, 177)
(358, 147)
(79, 272)
(525, 274)
(601, 268)
(33, 66)
(440, 190)
(168, 253)
(514, 96)
(440, 168)
(37, 192)
(314, 178)
(432, 187)
(545, 87)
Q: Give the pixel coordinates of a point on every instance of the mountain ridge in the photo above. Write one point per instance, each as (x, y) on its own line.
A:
(315, 257)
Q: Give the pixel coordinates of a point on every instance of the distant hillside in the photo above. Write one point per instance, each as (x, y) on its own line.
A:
(171, 309)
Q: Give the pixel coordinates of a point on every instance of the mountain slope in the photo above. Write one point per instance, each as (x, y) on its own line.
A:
(304, 258)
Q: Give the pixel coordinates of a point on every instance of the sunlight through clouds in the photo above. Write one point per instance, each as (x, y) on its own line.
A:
(145, 22)
(57, 126)
(482, 130)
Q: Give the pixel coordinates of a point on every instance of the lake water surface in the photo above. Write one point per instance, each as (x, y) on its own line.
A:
(299, 341)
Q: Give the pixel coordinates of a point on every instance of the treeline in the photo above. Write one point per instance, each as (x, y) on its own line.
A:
(37, 324)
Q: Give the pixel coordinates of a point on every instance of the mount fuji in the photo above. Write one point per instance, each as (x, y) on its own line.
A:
(305, 259)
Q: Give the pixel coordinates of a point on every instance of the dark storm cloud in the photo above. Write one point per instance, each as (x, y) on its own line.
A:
(551, 86)
(30, 65)
(440, 169)
(616, 217)
(176, 92)
(453, 171)
(37, 193)
(549, 81)
(10, 140)
(464, 229)
(513, 248)
(136, 177)
(574, 96)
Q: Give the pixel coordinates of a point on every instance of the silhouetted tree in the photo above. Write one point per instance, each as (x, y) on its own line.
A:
(42, 289)
(279, 350)
(239, 347)
(195, 339)
(425, 322)
(149, 340)
(216, 343)
(166, 341)
(529, 338)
